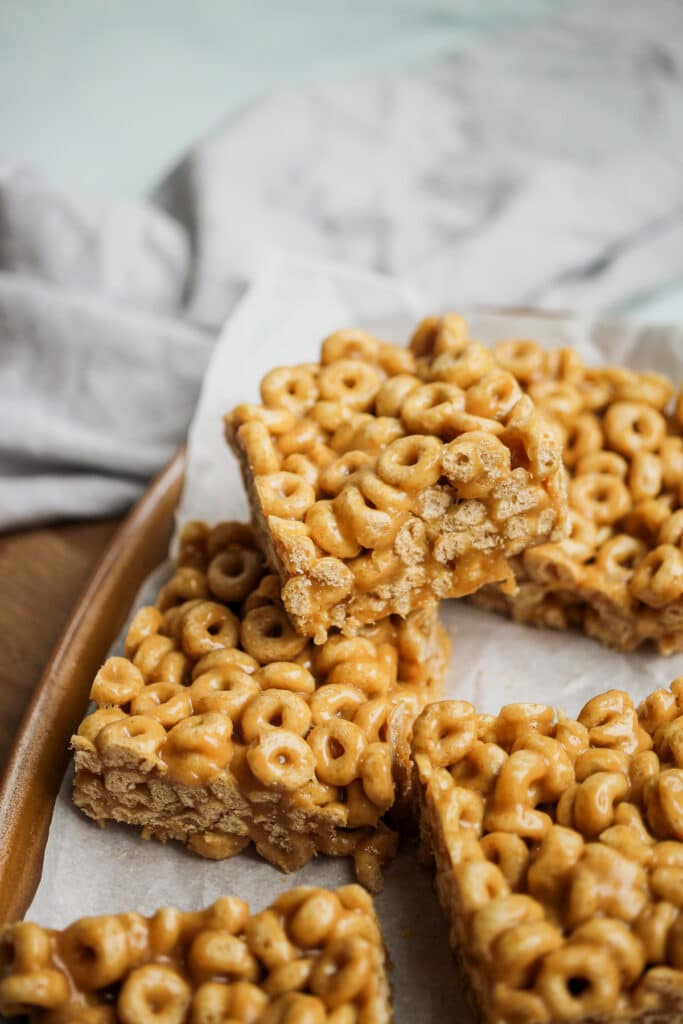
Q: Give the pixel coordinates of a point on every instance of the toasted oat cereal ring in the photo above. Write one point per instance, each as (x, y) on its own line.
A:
(198, 748)
(151, 655)
(377, 776)
(464, 366)
(557, 398)
(141, 735)
(28, 982)
(393, 393)
(337, 746)
(349, 344)
(369, 526)
(185, 585)
(95, 951)
(494, 396)
(341, 972)
(522, 357)
(671, 530)
(93, 723)
(217, 954)
(619, 556)
(475, 462)
(225, 656)
(381, 494)
(600, 497)
(340, 648)
(294, 1008)
(446, 731)
(117, 682)
(285, 675)
(608, 463)
(259, 448)
(275, 709)
(372, 718)
(284, 494)
(330, 531)
(658, 579)
(223, 535)
(281, 760)
(519, 951)
(154, 992)
(268, 940)
(278, 421)
(267, 635)
(167, 702)
(336, 701)
(234, 572)
(373, 677)
(305, 436)
(208, 627)
(584, 438)
(632, 427)
(645, 476)
(146, 622)
(509, 853)
(309, 923)
(289, 387)
(351, 382)
(216, 1002)
(225, 688)
(411, 463)
(578, 980)
(433, 409)
(337, 474)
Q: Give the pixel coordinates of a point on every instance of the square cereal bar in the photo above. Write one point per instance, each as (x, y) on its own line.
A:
(314, 956)
(222, 727)
(558, 855)
(383, 479)
(619, 575)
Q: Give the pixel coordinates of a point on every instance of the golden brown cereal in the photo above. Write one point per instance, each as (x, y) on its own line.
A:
(559, 854)
(294, 748)
(419, 473)
(623, 581)
(314, 955)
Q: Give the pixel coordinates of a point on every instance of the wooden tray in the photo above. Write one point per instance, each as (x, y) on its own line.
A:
(39, 756)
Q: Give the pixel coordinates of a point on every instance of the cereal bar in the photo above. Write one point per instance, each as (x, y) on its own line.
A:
(315, 956)
(559, 855)
(222, 727)
(619, 575)
(383, 479)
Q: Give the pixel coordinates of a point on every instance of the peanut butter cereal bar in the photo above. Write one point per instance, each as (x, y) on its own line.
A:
(383, 479)
(222, 727)
(619, 575)
(314, 957)
(559, 855)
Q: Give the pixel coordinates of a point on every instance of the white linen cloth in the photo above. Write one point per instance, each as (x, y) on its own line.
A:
(541, 166)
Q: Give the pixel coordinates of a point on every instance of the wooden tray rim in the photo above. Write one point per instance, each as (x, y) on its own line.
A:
(39, 754)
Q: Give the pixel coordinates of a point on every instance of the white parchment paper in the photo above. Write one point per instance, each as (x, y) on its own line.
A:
(281, 320)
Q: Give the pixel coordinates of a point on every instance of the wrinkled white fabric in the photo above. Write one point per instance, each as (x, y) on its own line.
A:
(539, 167)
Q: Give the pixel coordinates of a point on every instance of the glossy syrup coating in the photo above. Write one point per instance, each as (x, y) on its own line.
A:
(619, 574)
(559, 854)
(221, 727)
(315, 956)
(383, 479)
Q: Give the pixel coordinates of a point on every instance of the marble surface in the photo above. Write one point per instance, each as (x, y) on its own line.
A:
(531, 148)
(105, 96)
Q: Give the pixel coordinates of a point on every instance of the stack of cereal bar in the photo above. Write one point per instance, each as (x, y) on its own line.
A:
(619, 575)
(278, 709)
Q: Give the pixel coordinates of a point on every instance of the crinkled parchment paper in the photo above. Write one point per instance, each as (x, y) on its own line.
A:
(282, 320)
